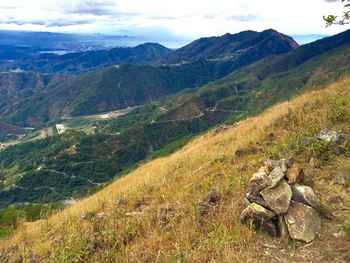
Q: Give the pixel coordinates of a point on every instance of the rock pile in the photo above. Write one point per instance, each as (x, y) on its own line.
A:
(278, 204)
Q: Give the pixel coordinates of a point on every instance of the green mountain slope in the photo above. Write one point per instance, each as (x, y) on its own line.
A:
(55, 168)
(121, 86)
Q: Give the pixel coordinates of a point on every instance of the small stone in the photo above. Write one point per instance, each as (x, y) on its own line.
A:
(240, 152)
(213, 197)
(305, 194)
(315, 163)
(257, 182)
(278, 198)
(257, 199)
(275, 177)
(295, 173)
(331, 136)
(303, 222)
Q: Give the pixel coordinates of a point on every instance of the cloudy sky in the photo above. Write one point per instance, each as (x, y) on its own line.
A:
(165, 19)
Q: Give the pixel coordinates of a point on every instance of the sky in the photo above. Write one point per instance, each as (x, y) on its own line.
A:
(163, 20)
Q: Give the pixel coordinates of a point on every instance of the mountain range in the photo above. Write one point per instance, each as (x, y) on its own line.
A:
(239, 76)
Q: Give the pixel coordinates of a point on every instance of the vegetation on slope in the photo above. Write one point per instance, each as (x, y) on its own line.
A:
(97, 229)
(75, 163)
(120, 86)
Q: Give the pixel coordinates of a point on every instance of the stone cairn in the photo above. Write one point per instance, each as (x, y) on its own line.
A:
(278, 204)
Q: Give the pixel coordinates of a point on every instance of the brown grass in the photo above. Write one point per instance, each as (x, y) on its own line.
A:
(179, 182)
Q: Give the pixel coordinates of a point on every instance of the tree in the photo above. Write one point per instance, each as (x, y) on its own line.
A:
(334, 20)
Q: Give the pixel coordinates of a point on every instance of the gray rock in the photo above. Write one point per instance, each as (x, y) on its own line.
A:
(305, 194)
(212, 197)
(257, 182)
(315, 163)
(275, 177)
(255, 210)
(289, 161)
(260, 217)
(331, 136)
(278, 198)
(271, 164)
(256, 199)
(295, 174)
(303, 222)
(283, 164)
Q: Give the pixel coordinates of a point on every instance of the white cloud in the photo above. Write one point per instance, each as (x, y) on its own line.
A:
(186, 18)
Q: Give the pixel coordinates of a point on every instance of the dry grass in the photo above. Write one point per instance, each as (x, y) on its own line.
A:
(179, 182)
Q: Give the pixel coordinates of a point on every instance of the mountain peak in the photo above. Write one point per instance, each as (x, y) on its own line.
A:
(231, 45)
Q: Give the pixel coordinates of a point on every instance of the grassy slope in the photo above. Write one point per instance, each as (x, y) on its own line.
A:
(182, 179)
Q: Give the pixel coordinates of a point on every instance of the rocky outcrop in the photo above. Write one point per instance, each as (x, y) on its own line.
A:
(278, 197)
(303, 222)
(278, 204)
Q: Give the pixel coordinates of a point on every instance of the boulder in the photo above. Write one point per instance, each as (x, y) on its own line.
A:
(260, 217)
(331, 136)
(295, 173)
(303, 222)
(257, 182)
(278, 198)
(305, 194)
(315, 163)
(275, 177)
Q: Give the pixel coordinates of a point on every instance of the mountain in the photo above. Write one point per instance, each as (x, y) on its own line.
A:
(75, 162)
(84, 61)
(121, 86)
(158, 211)
(243, 47)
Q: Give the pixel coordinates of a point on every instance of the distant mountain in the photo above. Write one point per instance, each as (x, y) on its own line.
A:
(84, 61)
(244, 46)
(121, 86)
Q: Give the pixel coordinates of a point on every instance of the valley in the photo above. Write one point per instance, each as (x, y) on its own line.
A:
(162, 128)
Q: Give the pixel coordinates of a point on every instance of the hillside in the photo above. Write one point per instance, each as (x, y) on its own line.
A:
(73, 164)
(85, 61)
(160, 219)
(240, 47)
(121, 86)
